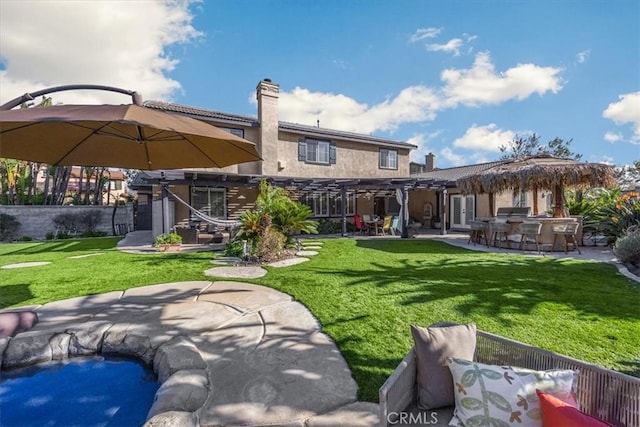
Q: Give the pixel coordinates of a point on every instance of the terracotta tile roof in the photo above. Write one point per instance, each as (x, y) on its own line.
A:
(201, 112)
(236, 119)
(455, 173)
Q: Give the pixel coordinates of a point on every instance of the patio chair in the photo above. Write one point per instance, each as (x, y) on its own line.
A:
(386, 225)
(360, 227)
(479, 231)
(499, 232)
(529, 233)
(568, 231)
(395, 225)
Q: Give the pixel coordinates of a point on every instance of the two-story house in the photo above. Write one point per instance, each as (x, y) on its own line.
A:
(323, 168)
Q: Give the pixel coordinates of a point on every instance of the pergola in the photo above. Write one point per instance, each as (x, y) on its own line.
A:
(334, 186)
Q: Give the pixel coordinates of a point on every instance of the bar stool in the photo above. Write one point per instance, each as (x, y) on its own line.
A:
(499, 232)
(531, 229)
(568, 231)
(478, 232)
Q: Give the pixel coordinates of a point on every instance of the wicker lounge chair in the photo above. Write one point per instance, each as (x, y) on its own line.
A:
(611, 396)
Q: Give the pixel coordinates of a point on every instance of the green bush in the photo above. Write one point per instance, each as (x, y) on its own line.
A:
(167, 239)
(24, 239)
(328, 226)
(94, 234)
(50, 235)
(627, 248)
(9, 226)
(234, 248)
(77, 222)
(62, 235)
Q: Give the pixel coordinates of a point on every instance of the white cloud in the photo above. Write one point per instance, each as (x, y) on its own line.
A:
(453, 158)
(46, 44)
(626, 110)
(416, 104)
(411, 105)
(422, 141)
(485, 138)
(452, 46)
(583, 56)
(424, 33)
(612, 137)
(482, 85)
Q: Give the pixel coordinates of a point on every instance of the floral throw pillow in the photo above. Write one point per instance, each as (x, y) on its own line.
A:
(503, 396)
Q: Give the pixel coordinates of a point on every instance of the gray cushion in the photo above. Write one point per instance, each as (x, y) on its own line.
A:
(433, 345)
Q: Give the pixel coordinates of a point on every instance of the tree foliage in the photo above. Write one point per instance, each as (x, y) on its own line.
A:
(531, 145)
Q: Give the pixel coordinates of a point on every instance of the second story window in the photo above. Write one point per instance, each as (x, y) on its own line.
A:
(388, 159)
(234, 131)
(316, 151)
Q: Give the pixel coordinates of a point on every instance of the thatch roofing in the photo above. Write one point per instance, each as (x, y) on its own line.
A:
(541, 172)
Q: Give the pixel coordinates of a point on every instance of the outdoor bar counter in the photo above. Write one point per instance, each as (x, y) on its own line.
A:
(546, 236)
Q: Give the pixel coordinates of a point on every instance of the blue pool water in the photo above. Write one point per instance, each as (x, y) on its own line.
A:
(85, 391)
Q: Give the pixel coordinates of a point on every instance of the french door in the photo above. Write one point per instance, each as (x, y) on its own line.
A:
(463, 210)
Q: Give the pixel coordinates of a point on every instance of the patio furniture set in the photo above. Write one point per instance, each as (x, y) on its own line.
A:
(366, 225)
(514, 225)
(422, 390)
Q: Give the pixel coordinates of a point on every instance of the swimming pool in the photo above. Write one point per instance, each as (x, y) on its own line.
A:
(83, 391)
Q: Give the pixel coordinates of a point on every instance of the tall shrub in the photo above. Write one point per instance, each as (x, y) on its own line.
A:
(9, 226)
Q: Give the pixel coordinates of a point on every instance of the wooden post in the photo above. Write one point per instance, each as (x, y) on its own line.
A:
(535, 200)
(559, 203)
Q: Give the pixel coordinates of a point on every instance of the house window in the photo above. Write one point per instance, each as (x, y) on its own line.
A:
(233, 131)
(316, 151)
(388, 159)
(318, 202)
(519, 199)
(209, 201)
(325, 204)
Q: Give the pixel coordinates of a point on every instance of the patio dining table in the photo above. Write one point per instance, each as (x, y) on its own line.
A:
(374, 227)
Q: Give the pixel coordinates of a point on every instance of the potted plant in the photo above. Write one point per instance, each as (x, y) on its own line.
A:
(168, 242)
(436, 222)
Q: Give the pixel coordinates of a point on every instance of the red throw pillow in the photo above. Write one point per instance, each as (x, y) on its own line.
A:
(556, 413)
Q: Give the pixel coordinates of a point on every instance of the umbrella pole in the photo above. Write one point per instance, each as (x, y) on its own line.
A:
(166, 227)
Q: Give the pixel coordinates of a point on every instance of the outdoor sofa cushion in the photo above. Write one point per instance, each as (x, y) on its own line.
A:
(556, 412)
(504, 395)
(433, 346)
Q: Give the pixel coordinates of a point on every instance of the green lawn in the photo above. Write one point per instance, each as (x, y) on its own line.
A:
(366, 293)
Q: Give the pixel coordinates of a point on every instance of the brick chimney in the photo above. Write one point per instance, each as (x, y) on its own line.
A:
(429, 162)
(267, 94)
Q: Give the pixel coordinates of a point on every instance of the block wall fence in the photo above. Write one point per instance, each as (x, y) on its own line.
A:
(37, 221)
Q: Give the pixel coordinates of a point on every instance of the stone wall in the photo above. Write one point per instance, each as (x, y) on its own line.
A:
(37, 221)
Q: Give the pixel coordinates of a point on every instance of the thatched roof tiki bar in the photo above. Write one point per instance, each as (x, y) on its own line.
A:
(539, 172)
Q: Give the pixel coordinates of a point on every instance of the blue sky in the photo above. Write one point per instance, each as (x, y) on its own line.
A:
(456, 78)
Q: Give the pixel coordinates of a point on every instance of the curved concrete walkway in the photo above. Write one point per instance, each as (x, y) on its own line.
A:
(227, 353)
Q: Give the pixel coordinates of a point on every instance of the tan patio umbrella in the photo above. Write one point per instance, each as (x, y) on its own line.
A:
(125, 136)
(539, 172)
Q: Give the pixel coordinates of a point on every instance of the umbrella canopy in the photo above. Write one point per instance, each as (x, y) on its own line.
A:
(539, 172)
(126, 136)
